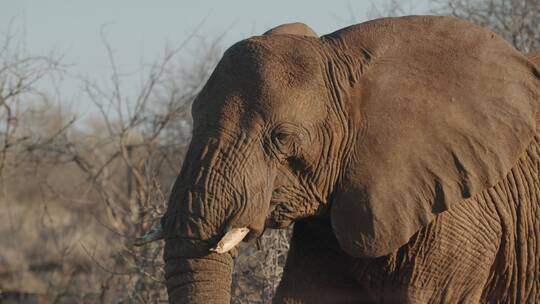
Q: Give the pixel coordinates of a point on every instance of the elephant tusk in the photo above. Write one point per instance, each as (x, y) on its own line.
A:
(230, 240)
(155, 234)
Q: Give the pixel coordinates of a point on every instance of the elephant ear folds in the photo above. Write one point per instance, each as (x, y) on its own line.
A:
(297, 28)
(447, 108)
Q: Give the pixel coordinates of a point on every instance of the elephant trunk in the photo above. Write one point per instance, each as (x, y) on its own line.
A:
(214, 204)
(199, 280)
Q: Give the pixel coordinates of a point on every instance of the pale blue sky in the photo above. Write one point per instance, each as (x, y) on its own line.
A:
(139, 30)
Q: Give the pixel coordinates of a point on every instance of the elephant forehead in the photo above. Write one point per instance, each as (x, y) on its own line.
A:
(281, 96)
(275, 62)
(274, 79)
(273, 101)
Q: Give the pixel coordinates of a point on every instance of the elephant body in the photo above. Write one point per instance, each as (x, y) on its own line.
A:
(489, 243)
(486, 250)
(405, 150)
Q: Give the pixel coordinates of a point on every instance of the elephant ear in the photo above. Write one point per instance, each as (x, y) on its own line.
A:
(297, 28)
(446, 108)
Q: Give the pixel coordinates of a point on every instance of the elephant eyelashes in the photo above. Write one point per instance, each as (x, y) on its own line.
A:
(282, 143)
(280, 138)
(285, 141)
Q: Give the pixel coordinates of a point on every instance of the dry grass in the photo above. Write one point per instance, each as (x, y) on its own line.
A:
(61, 254)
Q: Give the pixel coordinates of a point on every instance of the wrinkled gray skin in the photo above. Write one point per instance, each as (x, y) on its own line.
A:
(405, 150)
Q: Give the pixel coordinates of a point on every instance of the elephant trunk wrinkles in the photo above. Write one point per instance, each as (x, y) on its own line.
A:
(203, 205)
(199, 280)
(203, 198)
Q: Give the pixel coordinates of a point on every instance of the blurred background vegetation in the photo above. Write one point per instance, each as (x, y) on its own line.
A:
(75, 192)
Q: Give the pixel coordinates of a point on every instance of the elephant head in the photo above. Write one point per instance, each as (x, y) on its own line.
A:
(378, 126)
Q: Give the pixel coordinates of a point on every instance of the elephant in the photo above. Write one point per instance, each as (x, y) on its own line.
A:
(405, 151)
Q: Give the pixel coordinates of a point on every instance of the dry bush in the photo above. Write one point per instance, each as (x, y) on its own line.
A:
(259, 266)
(517, 21)
(24, 226)
(126, 161)
(77, 193)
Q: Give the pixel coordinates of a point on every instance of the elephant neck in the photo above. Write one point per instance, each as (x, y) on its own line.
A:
(518, 207)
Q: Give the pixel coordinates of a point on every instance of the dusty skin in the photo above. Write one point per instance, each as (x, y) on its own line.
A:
(404, 149)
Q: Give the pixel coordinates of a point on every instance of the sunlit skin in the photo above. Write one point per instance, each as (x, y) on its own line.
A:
(401, 148)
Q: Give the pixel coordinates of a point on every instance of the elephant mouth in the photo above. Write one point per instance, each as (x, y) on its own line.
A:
(289, 204)
(233, 236)
(278, 217)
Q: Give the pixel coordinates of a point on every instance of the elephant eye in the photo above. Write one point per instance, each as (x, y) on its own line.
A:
(285, 138)
(282, 140)
(280, 136)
